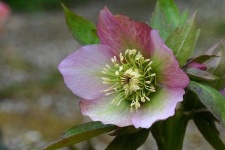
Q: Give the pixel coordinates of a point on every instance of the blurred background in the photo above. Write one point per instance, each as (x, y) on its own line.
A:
(35, 105)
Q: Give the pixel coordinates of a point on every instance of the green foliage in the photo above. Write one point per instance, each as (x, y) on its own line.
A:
(182, 40)
(78, 134)
(208, 129)
(38, 5)
(166, 17)
(200, 75)
(216, 65)
(220, 69)
(211, 98)
(129, 141)
(170, 132)
(125, 130)
(83, 30)
(171, 11)
(201, 59)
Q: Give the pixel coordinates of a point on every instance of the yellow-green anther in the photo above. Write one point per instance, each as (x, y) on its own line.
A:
(131, 79)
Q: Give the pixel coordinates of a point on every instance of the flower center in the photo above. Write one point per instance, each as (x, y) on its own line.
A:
(131, 77)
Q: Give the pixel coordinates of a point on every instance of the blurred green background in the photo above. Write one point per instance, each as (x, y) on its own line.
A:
(35, 105)
(38, 5)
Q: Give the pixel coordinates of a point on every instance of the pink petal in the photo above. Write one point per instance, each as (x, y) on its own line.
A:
(4, 10)
(121, 33)
(103, 110)
(82, 70)
(197, 66)
(4, 13)
(161, 106)
(165, 64)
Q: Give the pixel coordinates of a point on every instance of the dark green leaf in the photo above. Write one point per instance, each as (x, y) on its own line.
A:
(83, 30)
(200, 75)
(129, 141)
(191, 102)
(182, 40)
(125, 130)
(87, 127)
(157, 130)
(211, 98)
(203, 58)
(208, 129)
(170, 132)
(78, 134)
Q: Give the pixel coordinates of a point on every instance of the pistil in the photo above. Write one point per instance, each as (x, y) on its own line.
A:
(131, 78)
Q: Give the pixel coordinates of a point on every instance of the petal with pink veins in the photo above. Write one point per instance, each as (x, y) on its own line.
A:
(121, 33)
(107, 112)
(165, 64)
(161, 106)
(82, 70)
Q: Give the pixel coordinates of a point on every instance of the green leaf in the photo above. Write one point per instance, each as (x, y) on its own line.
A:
(159, 22)
(182, 40)
(200, 75)
(214, 49)
(216, 65)
(208, 129)
(170, 132)
(211, 98)
(129, 141)
(220, 69)
(166, 17)
(183, 17)
(124, 130)
(83, 30)
(78, 134)
(203, 58)
(171, 11)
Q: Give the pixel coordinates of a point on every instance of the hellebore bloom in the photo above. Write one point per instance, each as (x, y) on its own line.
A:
(130, 78)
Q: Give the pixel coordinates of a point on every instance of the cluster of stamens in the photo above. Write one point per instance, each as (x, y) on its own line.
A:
(131, 78)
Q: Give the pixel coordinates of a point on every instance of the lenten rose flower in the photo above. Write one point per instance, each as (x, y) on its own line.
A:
(130, 78)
